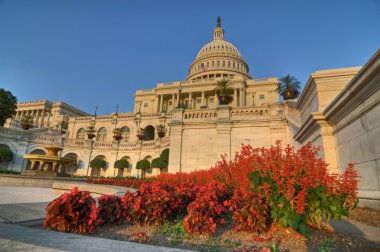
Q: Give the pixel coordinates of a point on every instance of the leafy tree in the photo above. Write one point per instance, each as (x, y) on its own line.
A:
(156, 163)
(7, 105)
(164, 158)
(121, 164)
(143, 164)
(98, 163)
(6, 155)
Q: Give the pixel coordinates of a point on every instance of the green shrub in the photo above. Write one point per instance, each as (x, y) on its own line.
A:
(164, 158)
(98, 163)
(121, 164)
(10, 172)
(143, 164)
(156, 163)
(6, 155)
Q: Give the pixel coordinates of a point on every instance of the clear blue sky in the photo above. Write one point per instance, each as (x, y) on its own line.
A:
(99, 52)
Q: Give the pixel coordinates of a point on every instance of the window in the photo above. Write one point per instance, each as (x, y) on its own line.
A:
(211, 100)
(102, 135)
(199, 101)
(81, 134)
(146, 105)
(261, 97)
(125, 132)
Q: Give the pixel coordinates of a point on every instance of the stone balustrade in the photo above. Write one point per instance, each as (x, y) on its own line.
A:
(245, 113)
(44, 139)
(252, 113)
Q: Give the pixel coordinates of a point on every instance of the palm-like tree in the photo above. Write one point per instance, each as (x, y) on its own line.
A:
(224, 91)
(289, 87)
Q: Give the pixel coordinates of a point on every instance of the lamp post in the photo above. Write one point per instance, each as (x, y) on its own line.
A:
(117, 136)
(90, 134)
(179, 95)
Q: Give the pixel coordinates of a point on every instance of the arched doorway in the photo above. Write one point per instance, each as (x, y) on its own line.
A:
(9, 156)
(126, 172)
(149, 133)
(71, 169)
(98, 172)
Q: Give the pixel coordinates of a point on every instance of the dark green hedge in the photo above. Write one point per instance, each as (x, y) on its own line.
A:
(164, 158)
(156, 163)
(143, 164)
(121, 164)
(6, 155)
(98, 163)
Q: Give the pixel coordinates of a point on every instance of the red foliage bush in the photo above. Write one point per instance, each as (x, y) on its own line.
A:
(127, 182)
(72, 212)
(110, 210)
(260, 185)
(207, 209)
(249, 211)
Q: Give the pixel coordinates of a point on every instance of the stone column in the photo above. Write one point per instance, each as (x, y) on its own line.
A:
(203, 98)
(173, 102)
(190, 101)
(235, 98)
(161, 102)
(241, 97)
(42, 119)
(223, 129)
(48, 120)
(32, 164)
(37, 118)
(156, 104)
(176, 130)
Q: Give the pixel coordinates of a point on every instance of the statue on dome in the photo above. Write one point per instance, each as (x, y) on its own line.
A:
(219, 21)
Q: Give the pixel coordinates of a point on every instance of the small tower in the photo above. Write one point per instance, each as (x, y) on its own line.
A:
(218, 31)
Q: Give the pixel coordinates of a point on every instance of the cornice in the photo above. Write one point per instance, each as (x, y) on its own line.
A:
(358, 91)
(311, 125)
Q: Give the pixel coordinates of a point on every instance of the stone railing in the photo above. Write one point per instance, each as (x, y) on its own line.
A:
(245, 113)
(251, 113)
(77, 142)
(46, 139)
(197, 115)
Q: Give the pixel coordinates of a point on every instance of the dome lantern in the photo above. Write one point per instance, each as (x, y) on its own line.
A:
(218, 31)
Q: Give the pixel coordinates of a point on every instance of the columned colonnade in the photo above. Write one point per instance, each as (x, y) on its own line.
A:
(169, 101)
(40, 117)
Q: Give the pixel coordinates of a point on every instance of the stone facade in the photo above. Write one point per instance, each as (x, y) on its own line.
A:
(338, 110)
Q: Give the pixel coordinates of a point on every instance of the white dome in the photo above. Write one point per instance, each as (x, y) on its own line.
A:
(218, 58)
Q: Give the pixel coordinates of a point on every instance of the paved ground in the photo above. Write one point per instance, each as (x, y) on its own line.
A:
(20, 238)
(21, 204)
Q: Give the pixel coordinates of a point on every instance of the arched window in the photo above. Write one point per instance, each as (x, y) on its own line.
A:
(224, 63)
(233, 64)
(229, 63)
(81, 134)
(212, 63)
(102, 135)
(218, 64)
(125, 133)
(149, 133)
